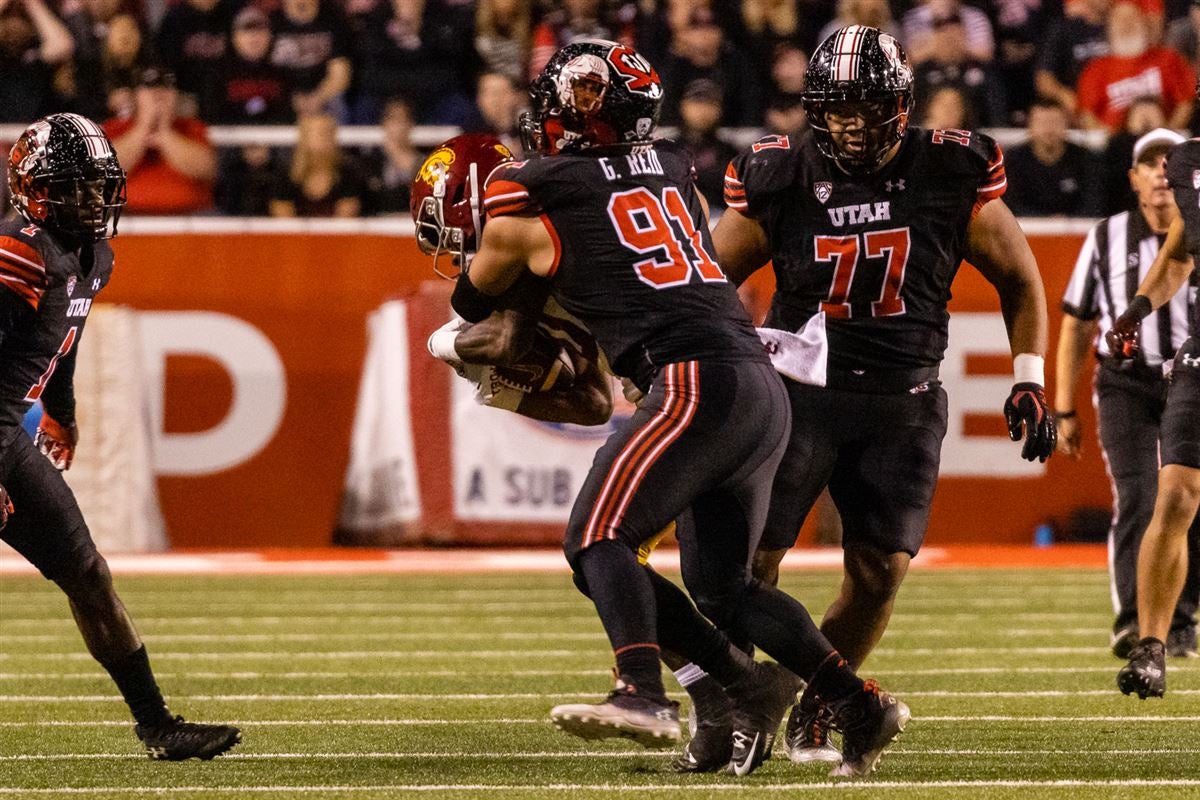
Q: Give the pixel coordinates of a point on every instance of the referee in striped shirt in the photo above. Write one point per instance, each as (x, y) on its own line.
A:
(1130, 394)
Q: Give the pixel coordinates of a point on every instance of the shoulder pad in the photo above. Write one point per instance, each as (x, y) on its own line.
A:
(970, 153)
(766, 167)
(510, 189)
(22, 267)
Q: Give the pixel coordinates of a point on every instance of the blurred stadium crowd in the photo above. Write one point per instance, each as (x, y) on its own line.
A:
(158, 73)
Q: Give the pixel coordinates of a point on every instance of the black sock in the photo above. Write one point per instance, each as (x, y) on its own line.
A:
(834, 679)
(135, 680)
(684, 630)
(624, 599)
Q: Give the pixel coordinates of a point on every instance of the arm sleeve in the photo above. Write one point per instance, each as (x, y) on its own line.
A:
(58, 399)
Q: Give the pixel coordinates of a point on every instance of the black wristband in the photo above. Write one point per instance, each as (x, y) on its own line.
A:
(1066, 414)
(470, 303)
(1140, 306)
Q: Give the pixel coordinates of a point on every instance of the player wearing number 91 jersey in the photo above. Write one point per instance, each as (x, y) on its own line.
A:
(612, 219)
(866, 221)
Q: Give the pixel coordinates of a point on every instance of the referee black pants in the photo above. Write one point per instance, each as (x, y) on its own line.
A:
(1130, 407)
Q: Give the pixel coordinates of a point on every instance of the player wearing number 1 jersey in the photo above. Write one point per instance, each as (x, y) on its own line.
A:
(613, 220)
(65, 181)
(866, 222)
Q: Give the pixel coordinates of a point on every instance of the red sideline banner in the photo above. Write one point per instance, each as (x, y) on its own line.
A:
(256, 339)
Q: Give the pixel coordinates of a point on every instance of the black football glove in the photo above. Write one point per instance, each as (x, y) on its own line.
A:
(1123, 339)
(1027, 412)
(6, 507)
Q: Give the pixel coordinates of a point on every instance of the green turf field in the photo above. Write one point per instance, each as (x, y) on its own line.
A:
(439, 686)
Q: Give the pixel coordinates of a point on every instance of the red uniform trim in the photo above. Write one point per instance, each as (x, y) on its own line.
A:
(504, 197)
(557, 244)
(643, 450)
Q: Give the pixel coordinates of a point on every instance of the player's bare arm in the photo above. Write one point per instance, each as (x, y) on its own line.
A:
(510, 245)
(1074, 350)
(501, 339)
(997, 247)
(741, 244)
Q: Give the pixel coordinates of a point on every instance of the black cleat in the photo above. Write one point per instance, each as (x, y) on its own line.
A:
(1181, 643)
(1146, 672)
(808, 730)
(178, 740)
(649, 721)
(711, 745)
(757, 712)
(869, 721)
(1124, 640)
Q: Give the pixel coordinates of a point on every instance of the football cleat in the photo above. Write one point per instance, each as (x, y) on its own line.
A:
(624, 714)
(869, 720)
(757, 712)
(179, 740)
(1124, 640)
(1146, 672)
(710, 725)
(808, 731)
(1181, 643)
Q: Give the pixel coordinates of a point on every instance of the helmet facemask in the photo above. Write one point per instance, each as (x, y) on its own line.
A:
(858, 134)
(437, 238)
(86, 204)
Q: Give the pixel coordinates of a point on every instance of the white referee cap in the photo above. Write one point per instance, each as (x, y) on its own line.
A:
(1159, 137)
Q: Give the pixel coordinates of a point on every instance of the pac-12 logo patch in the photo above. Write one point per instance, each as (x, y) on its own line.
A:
(70, 286)
(823, 190)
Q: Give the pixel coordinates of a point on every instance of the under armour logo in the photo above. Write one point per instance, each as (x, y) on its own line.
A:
(1191, 361)
(894, 186)
(96, 285)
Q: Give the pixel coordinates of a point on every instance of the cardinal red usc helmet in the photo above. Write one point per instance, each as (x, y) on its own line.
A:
(447, 196)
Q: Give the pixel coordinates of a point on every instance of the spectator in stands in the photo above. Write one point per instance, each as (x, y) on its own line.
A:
(33, 44)
(503, 30)
(252, 90)
(390, 169)
(700, 110)
(788, 68)
(421, 49)
(168, 159)
(1183, 35)
(1020, 25)
(311, 45)
(1134, 68)
(322, 180)
(125, 57)
(574, 19)
(193, 40)
(1145, 114)
(246, 181)
(785, 115)
(875, 13)
(84, 81)
(701, 51)
(947, 108)
(766, 25)
(919, 28)
(950, 64)
(1048, 175)
(498, 103)
(1071, 42)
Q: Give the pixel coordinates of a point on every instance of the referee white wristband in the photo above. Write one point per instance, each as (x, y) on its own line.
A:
(1029, 368)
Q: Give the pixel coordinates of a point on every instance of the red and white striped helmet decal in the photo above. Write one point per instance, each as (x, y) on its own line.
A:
(93, 136)
(847, 50)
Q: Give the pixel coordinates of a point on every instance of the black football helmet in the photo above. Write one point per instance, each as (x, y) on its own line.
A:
(63, 174)
(859, 72)
(591, 93)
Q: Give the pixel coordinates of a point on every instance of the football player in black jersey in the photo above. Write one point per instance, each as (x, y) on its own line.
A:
(65, 181)
(612, 218)
(866, 221)
(1163, 555)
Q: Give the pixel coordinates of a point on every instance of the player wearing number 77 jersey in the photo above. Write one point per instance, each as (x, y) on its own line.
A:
(866, 221)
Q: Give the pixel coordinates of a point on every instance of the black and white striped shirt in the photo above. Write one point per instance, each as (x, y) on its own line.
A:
(1112, 264)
